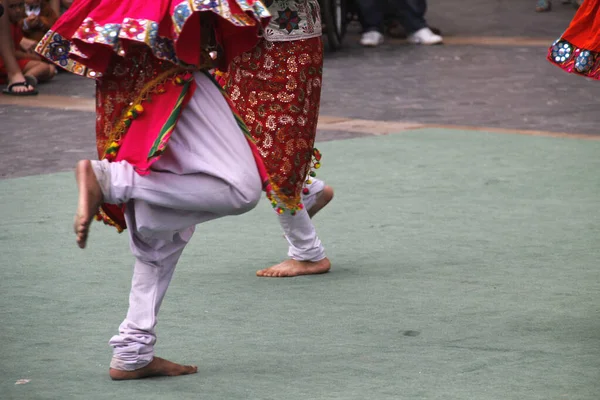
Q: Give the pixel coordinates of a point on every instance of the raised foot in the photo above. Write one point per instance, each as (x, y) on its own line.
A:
(290, 268)
(323, 199)
(90, 198)
(157, 367)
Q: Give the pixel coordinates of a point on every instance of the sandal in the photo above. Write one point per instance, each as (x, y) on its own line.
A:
(31, 81)
(543, 5)
(9, 89)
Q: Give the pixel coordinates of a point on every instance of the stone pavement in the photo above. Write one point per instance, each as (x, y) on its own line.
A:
(498, 79)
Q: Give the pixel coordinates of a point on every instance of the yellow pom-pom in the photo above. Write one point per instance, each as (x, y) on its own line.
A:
(129, 114)
(317, 165)
(139, 108)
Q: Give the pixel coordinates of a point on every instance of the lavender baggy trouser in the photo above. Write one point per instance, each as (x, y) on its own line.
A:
(304, 243)
(207, 171)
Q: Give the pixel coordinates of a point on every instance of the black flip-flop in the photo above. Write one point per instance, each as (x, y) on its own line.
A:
(31, 81)
(9, 89)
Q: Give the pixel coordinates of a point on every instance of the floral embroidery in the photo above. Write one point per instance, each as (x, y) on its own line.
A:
(288, 20)
(575, 60)
(585, 61)
(293, 20)
(281, 112)
(132, 28)
(64, 53)
(58, 50)
(561, 51)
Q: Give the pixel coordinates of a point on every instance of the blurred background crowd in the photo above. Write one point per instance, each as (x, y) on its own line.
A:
(22, 25)
(25, 22)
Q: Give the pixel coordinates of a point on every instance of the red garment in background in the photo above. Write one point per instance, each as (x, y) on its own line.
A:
(578, 50)
(584, 30)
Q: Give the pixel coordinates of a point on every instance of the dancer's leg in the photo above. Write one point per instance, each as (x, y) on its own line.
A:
(206, 172)
(315, 196)
(307, 254)
(133, 354)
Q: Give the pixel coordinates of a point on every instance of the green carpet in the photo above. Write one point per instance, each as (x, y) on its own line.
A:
(465, 266)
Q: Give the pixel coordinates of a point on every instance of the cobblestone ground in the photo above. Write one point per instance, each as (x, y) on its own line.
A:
(492, 73)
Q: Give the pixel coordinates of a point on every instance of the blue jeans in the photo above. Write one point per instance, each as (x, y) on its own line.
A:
(410, 14)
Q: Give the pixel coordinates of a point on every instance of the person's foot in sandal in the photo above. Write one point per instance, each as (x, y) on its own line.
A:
(543, 5)
(20, 89)
(31, 81)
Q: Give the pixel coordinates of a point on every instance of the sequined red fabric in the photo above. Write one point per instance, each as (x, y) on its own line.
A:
(578, 50)
(277, 90)
(135, 97)
(86, 35)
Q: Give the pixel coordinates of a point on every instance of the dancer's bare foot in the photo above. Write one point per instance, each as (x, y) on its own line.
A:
(157, 367)
(323, 199)
(290, 268)
(90, 198)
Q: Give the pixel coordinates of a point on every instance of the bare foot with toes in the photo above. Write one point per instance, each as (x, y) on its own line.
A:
(90, 198)
(157, 367)
(290, 268)
(323, 199)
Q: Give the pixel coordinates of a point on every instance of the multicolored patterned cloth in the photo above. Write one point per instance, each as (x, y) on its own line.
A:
(277, 90)
(142, 56)
(293, 20)
(578, 50)
(91, 31)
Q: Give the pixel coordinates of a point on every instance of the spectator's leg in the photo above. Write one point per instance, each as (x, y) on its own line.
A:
(371, 15)
(7, 52)
(411, 14)
(39, 69)
(371, 18)
(55, 4)
(543, 5)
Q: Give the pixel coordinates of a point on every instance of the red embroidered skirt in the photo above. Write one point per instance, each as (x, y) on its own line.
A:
(578, 50)
(277, 90)
(141, 55)
(90, 31)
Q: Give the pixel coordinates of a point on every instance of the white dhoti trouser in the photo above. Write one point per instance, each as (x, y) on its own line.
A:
(304, 244)
(207, 171)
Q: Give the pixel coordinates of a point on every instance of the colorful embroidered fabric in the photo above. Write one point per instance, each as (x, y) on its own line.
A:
(293, 20)
(84, 38)
(141, 90)
(126, 91)
(577, 51)
(277, 90)
(138, 102)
